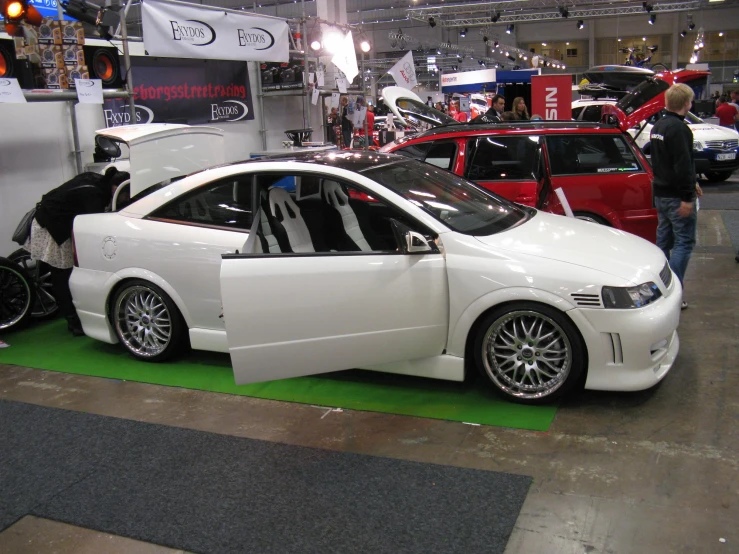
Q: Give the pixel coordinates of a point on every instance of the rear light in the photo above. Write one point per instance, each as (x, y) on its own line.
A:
(74, 252)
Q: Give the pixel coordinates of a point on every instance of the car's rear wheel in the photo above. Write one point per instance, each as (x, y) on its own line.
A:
(587, 216)
(16, 295)
(530, 352)
(147, 321)
(718, 176)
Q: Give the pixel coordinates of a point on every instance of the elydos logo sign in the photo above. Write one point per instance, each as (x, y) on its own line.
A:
(5, 82)
(85, 83)
(229, 110)
(121, 116)
(256, 37)
(193, 31)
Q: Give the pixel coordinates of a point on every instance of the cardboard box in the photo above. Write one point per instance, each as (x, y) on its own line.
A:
(77, 72)
(72, 33)
(49, 32)
(55, 78)
(51, 56)
(73, 55)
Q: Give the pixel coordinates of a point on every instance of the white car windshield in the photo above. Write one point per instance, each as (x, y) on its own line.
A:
(459, 204)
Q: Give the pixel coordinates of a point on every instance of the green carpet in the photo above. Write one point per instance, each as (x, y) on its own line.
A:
(49, 346)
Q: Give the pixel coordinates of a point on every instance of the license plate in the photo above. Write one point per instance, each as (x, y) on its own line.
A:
(731, 156)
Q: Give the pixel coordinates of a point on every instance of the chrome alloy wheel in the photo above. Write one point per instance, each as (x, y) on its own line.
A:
(143, 321)
(527, 354)
(15, 296)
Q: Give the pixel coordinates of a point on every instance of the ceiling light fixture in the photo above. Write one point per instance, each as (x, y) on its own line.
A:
(495, 17)
(463, 33)
(432, 22)
(580, 24)
(509, 28)
(652, 18)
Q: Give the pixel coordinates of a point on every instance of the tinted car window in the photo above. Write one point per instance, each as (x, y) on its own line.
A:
(225, 203)
(457, 203)
(502, 158)
(442, 154)
(641, 95)
(592, 113)
(415, 151)
(578, 154)
(576, 113)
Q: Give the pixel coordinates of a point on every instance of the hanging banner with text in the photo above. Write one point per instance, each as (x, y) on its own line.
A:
(184, 91)
(182, 30)
(551, 96)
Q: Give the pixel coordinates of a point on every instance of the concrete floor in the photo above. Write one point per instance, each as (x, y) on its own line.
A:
(648, 472)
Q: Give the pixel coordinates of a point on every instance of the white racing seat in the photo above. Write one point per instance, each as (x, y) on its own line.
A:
(339, 200)
(287, 213)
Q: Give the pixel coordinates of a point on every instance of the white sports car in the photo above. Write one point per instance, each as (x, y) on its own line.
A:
(378, 262)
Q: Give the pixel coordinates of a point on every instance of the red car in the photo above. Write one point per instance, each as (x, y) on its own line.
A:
(602, 172)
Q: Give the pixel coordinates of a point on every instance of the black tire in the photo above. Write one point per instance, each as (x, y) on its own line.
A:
(503, 333)
(148, 323)
(45, 306)
(17, 296)
(717, 176)
(587, 216)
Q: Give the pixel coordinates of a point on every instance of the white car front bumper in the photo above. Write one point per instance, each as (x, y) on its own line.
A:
(630, 350)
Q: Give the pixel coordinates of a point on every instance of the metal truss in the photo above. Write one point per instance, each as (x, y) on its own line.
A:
(471, 15)
(404, 41)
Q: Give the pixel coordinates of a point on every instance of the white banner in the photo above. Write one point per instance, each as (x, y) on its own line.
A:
(468, 78)
(346, 59)
(181, 30)
(404, 72)
(89, 91)
(10, 91)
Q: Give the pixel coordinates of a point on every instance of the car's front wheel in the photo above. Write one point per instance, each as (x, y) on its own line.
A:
(718, 176)
(530, 352)
(587, 216)
(147, 321)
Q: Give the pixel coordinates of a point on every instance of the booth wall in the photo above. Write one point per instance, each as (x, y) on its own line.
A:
(36, 155)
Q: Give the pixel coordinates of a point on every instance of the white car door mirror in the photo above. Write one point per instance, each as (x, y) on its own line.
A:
(416, 243)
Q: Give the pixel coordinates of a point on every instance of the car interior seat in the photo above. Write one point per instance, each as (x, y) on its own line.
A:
(339, 201)
(287, 213)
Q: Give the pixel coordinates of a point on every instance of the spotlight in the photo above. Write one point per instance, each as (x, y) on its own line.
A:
(564, 12)
(365, 46)
(652, 18)
(463, 33)
(683, 33)
(485, 39)
(647, 7)
(495, 44)
(691, 26)
(432, 22)
(332, 42)
(454, 68)
(580, 24)
(495, 17)
(315, 44)
(509, 28)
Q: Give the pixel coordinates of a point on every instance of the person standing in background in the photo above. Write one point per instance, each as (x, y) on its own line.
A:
(519, 109)
(675, 183)
(347, 127)
(331, 121)
(727, 113)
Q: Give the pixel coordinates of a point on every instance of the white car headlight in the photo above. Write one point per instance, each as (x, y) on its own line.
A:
(630, 297)
(698, 146)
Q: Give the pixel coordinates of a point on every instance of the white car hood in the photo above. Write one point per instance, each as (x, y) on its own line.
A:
(706, 131)
(584, 244)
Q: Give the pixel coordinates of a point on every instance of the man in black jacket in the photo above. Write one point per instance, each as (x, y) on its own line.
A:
(675, 184)
(493, 115)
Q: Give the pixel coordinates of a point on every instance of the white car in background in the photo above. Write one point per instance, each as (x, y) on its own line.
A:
(379, 262)
(713, 143)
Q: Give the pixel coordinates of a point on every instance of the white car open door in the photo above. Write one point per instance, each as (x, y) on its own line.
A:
(411, 111)
(289, 314)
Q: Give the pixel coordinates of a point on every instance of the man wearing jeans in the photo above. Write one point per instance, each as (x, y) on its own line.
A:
(675, 187)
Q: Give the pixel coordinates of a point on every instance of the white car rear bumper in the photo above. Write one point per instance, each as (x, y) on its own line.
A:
(90, 290)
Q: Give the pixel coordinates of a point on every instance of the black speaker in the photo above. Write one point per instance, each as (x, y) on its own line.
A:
(104, 64)
(10, 67)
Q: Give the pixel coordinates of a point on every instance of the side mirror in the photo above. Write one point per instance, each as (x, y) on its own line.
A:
(411, 242)
(416, 243)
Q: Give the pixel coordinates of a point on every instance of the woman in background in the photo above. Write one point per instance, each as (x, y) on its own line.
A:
(519, 109)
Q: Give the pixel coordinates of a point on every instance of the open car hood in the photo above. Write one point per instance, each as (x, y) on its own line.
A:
(410, 110)
(648, 97)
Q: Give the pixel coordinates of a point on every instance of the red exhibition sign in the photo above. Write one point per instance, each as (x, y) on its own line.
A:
(551, 96)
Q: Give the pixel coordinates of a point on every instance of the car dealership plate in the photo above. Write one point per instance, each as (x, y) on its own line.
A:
(729, 156)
